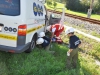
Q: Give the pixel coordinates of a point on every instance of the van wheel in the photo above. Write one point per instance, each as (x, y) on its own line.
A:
(32, 46)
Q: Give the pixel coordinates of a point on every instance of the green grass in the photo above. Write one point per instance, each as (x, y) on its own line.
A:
(89, 46)
(40, 62)
(94, 16)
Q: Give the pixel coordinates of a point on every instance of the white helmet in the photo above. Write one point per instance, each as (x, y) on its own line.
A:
(41, 34)
(40, 41)
(69, 30)
(48, 28)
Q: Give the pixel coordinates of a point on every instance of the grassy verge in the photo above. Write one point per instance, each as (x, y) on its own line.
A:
(89, 46)
(94, 16)
(40, 62)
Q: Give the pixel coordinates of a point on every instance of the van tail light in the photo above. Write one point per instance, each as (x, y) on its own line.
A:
(22, 30)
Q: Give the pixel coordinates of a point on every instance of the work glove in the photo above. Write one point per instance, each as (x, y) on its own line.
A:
(53, 39)
(68, 54)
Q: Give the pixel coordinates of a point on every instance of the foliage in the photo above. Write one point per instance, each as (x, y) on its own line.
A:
(94, 16)
(51, 4)
(54, 4)
(72, 4)
(83, 5)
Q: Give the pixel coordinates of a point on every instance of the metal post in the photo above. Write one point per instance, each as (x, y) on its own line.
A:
(90, 10)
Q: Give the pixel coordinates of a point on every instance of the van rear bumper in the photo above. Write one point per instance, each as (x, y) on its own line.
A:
(17, 49)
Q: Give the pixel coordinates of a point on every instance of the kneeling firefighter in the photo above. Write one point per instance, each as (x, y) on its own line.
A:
(44, 41)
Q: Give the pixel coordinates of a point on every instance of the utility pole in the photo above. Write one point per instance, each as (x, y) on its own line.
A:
(90, 10)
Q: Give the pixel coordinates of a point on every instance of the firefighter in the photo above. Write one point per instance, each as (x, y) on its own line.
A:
(72, 54)
(44, 41)
(55, 30)
(45, 38)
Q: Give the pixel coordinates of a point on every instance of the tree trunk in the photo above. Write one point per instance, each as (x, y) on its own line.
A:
(90, 10)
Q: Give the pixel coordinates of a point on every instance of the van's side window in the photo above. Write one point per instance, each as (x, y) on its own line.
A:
(10, 7)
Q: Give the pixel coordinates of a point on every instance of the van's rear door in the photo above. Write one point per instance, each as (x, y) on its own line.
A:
(9, 21)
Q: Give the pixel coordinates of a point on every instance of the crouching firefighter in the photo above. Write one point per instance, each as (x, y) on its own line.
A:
(44, 41)
(56, 30)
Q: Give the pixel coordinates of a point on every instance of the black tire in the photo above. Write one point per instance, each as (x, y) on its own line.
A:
(32, 45)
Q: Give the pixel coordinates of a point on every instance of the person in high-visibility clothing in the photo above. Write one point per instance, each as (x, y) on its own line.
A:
(56, 30)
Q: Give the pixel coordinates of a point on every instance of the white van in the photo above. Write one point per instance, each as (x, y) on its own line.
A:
(20, 23)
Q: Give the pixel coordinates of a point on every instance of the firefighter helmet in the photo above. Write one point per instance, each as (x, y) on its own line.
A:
(41, 34)
(69, 30)
(39, 41)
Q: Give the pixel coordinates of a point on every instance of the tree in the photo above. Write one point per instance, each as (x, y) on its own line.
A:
(73, 4)
(49, 2)
(54, 4)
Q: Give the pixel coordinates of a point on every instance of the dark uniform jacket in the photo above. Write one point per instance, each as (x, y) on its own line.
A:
(74, 41)
(46, 41)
